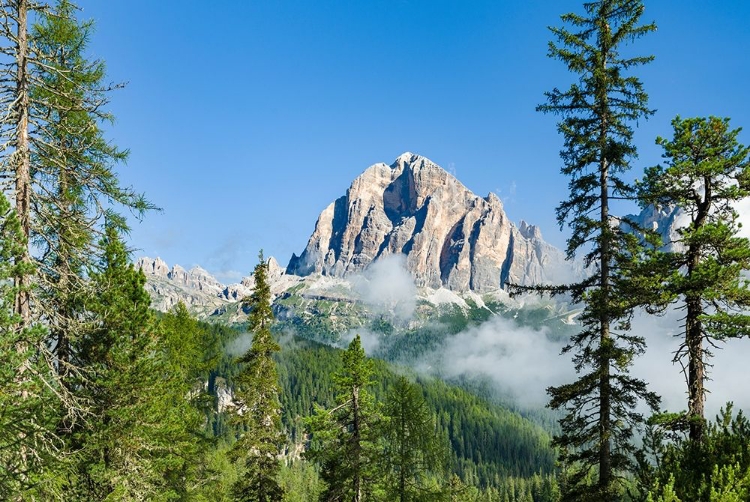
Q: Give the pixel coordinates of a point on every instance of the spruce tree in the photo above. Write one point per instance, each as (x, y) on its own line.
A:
(140, 437)
(344, 438)
(414, 450)
(707, 172)
(258, 409)
(597, 112)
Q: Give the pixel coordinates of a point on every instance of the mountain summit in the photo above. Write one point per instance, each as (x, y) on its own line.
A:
(451, 237)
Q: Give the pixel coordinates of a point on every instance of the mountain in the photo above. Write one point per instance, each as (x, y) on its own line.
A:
(451, 237)
(199, 290)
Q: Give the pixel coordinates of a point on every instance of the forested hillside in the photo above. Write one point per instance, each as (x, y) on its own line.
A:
(489, 444)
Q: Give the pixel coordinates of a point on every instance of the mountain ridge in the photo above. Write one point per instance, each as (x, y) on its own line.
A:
(451, 237)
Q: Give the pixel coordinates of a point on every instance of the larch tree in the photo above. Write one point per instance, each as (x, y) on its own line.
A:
(414, 450)
(597, 112)
(258, 409)
(707, 172)
(344, 438)
(59, 169)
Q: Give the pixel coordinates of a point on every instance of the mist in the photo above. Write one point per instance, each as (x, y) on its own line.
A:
(370, 341)
(728, 375)
(239, 345)
(521, 362)
(387, 287)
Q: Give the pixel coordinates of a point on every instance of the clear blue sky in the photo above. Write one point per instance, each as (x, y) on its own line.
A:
(246, 118)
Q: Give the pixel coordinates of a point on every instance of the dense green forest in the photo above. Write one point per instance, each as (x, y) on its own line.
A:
(102, 398)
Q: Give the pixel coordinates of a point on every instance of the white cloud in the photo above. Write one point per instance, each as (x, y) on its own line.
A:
(520, 361)
(370, 341)
(388, 287)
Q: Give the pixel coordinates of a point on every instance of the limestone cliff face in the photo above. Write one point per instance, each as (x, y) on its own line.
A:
(451, 237)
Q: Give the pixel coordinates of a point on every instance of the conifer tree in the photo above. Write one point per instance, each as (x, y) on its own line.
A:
(345, 437)
(24, 402)
(414, 449)
(258, 405)
(707, 172)
(59, 168)
(596, 114)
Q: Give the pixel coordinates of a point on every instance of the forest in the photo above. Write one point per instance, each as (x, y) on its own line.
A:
(103, 398)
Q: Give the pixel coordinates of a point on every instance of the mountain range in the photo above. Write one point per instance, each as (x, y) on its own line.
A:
(451, 240)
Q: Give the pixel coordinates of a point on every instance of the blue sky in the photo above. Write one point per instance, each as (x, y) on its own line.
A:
(246, 118)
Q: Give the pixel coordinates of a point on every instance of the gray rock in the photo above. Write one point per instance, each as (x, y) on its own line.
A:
(451, 237)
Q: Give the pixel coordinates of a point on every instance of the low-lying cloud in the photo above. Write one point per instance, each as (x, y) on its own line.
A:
(521, 362)
(387, 287)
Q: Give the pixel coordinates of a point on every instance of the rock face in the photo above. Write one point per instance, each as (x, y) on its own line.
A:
(198, 289)
(451, 237)
(666, 221)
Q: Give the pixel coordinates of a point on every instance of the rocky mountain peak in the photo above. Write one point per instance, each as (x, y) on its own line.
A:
(529, 231)
(451, 237)
(157, 266)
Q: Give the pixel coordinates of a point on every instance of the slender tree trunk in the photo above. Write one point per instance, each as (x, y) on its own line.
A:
(356, 441)
(21, 165)
(605, 342)
(22, 159)
(696, 369)
(694, 330)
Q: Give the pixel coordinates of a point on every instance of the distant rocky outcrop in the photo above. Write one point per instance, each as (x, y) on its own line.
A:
(451, 237)
(198, 289)
(666, 221)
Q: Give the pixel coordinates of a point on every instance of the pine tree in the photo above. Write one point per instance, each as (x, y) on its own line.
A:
(414, 449)
(706, 174)
(59, 169)
(596, 115)
(141, 436)
(258, 406)
(344, 438)
(25, 419)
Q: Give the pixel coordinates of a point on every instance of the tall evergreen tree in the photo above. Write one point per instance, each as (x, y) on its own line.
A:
(258, 405)
(414, 448)
(59, 169)
(707, 172)
(596, 113)
(141, 435)
(345, 437)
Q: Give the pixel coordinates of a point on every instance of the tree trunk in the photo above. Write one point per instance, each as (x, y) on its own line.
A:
(356, 442)
(22, 160)
(21, 164)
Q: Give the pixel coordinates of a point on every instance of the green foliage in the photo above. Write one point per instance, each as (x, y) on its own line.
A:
(28, 416)
(141, 382)
(258, 409)
(489, 443)
(717, 468)
(344, 438)
(707, 172)
(413, 448)
(596, 111)
(300, 481)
